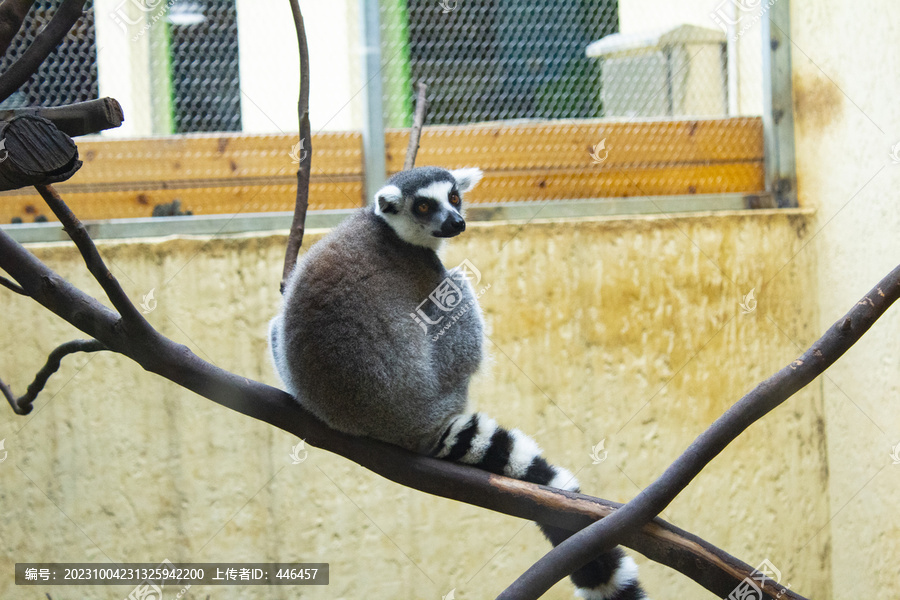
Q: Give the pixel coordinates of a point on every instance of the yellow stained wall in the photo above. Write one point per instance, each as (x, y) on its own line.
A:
(847, 119)
(626, 330)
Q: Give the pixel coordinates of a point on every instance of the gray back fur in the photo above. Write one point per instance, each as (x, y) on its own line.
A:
(346, 346)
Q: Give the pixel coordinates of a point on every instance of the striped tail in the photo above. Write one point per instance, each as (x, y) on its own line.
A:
(477, 440)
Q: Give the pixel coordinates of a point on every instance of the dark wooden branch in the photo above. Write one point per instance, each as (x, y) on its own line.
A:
(295, 237)
(416, 132)
(46, 41)
(23, 404)
(132, 319)
(709, 566)
(12, 14)
(603, 535)
(33, 151)
(80, 118)
(12, 286)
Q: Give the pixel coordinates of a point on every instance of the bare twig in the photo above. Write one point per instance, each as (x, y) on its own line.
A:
(12, 14)
(604, 535)
(46, 41)
(709, 566)
(295, 237)
(12, 285)
(132, 319)
(22, 405)
(80, 118)
(416, 132)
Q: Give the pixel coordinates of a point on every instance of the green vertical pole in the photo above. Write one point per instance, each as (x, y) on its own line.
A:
(161, 89)
(398, 89)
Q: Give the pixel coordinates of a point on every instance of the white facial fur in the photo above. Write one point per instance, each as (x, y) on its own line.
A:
(422, 234)
(408, 230)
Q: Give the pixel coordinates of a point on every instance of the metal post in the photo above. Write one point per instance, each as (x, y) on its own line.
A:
(778, 109)
(373, 124)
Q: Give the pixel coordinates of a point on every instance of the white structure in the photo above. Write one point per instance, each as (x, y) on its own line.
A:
(132, 69)
(675, 71)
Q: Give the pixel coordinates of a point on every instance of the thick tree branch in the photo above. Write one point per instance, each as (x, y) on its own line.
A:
(80, 118)
(295, 237)
(604, 535)
(23, 404)
(709, 566)
(33, 151)
(132, 318)
(12, 14)
(46, 41)
(416, 132)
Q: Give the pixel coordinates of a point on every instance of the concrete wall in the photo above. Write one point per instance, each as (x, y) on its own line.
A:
(626, 330)
(847, 118)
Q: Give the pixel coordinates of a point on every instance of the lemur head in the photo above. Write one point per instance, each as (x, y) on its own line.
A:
(424, 205)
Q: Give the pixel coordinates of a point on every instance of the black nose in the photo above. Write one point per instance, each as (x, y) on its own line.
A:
(453, 225)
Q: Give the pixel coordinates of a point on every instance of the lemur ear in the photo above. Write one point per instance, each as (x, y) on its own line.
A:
(387, 200)
(466, 178)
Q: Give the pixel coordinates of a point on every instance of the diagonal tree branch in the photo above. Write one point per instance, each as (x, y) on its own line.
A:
(23, 404)
(12, 14)
(412, 149)
(295, 237)
(709, 566)
(12, 286)
(604, 535)
(132, 319)
(46, 41)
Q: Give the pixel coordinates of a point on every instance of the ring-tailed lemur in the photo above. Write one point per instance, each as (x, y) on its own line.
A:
(349, 345)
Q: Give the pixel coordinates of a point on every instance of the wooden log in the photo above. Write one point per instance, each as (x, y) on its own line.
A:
(34, 152)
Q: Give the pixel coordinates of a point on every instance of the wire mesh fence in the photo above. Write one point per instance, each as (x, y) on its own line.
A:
(486, 60)
(554, 99)
(70, 72)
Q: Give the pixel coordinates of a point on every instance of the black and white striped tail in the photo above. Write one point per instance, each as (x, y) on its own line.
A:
(477, 440)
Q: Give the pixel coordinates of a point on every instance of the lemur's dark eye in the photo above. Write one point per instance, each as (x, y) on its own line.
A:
(454, 199)
(422, 208)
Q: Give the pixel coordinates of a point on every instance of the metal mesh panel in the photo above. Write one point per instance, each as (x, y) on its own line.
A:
(491, 60)
(70, 72)
(594, 98)
(206, 83)
(553, 99)
(486, 60)
(200, 59)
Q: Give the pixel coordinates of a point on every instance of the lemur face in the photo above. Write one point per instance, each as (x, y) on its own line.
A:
(424, 205)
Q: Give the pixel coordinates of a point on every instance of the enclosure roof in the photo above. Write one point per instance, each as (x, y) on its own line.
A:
(648, 41)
